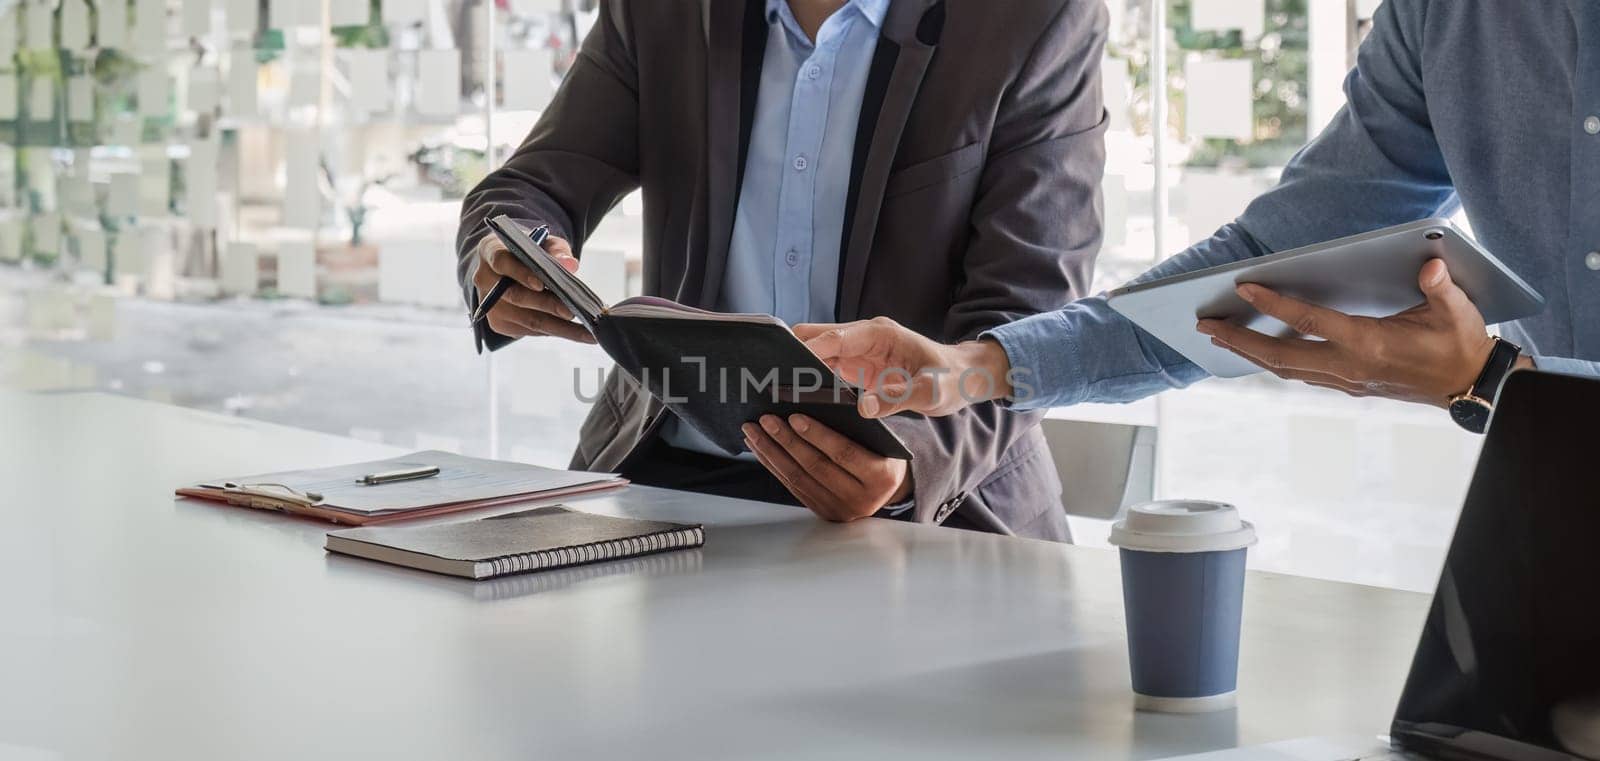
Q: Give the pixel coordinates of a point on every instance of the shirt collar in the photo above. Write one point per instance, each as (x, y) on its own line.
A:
(872, 10)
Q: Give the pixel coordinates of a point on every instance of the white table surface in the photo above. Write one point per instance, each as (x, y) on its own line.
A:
(137, 626)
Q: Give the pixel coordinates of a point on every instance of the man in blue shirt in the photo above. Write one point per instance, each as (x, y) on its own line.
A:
(1489, 106)
(926, 160)
(784, 257)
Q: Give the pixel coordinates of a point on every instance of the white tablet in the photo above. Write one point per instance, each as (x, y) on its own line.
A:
(1371, 275)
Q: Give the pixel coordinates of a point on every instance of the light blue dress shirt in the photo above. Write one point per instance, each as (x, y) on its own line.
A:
(783, 258)
(1490, 106)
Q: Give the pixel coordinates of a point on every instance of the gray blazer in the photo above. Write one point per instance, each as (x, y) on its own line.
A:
(974, 198)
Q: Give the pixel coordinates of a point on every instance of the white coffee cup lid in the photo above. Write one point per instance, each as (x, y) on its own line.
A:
(1183, 525)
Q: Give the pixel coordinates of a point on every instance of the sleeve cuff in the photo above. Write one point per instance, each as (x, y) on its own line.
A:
(898, 509)
(1045, 371)
(469, 277)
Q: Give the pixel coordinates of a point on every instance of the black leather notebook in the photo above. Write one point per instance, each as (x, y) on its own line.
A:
(715, 371)
(540, 539)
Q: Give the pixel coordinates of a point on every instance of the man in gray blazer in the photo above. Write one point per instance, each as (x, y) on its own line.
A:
(933, 161)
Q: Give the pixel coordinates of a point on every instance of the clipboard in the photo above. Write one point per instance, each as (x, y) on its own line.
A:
(341, 495)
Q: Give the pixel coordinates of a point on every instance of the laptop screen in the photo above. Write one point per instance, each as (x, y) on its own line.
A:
(1509, 662)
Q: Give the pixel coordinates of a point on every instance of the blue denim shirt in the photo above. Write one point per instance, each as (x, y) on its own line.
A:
(1491, 106)
(783, 258)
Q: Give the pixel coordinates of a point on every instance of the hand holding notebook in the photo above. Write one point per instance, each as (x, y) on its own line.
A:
(512, 299)
(715, 371)
(539, 235)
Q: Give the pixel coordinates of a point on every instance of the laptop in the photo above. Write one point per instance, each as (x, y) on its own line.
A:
(1508, 666)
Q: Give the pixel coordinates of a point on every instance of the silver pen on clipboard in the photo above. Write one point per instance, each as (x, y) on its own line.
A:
(395, 476)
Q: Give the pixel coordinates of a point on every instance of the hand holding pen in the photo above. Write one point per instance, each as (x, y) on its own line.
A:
(515, 302)
(539, 235)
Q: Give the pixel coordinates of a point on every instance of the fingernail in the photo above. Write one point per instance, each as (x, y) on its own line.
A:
(1205, 327)
(749, 431)
(799, 423)
(769, 422)
(1247, 292)
(869, 405)
(749, 445)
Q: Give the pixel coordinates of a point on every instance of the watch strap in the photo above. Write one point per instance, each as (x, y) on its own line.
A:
(1502, 359)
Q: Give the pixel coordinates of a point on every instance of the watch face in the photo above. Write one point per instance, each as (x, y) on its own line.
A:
(1471, 414)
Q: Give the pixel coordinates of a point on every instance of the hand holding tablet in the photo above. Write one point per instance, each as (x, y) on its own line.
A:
(1381, 306)
(1428, 354)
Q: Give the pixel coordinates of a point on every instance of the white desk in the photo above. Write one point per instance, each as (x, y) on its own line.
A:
(134, 626)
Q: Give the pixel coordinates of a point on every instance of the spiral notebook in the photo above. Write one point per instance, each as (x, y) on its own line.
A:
(540, 539)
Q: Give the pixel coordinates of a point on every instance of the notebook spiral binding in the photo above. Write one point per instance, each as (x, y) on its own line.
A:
(591, 553)
(658, 565)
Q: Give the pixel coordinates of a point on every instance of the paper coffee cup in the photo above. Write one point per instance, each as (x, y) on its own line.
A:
(1183, 593)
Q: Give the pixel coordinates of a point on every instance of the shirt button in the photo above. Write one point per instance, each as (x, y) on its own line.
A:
(793, 257)
(813, 72)
(1592, 261)
(1591, 125)
(800, 163)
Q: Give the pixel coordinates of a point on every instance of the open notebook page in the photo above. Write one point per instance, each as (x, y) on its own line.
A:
(651, 306)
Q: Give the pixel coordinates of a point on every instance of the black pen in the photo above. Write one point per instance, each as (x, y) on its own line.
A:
(493, 296)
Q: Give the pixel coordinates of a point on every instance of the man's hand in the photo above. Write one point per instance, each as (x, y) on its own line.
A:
(903, 371)
(827, 472)
(1425, 354)
(526, 309)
